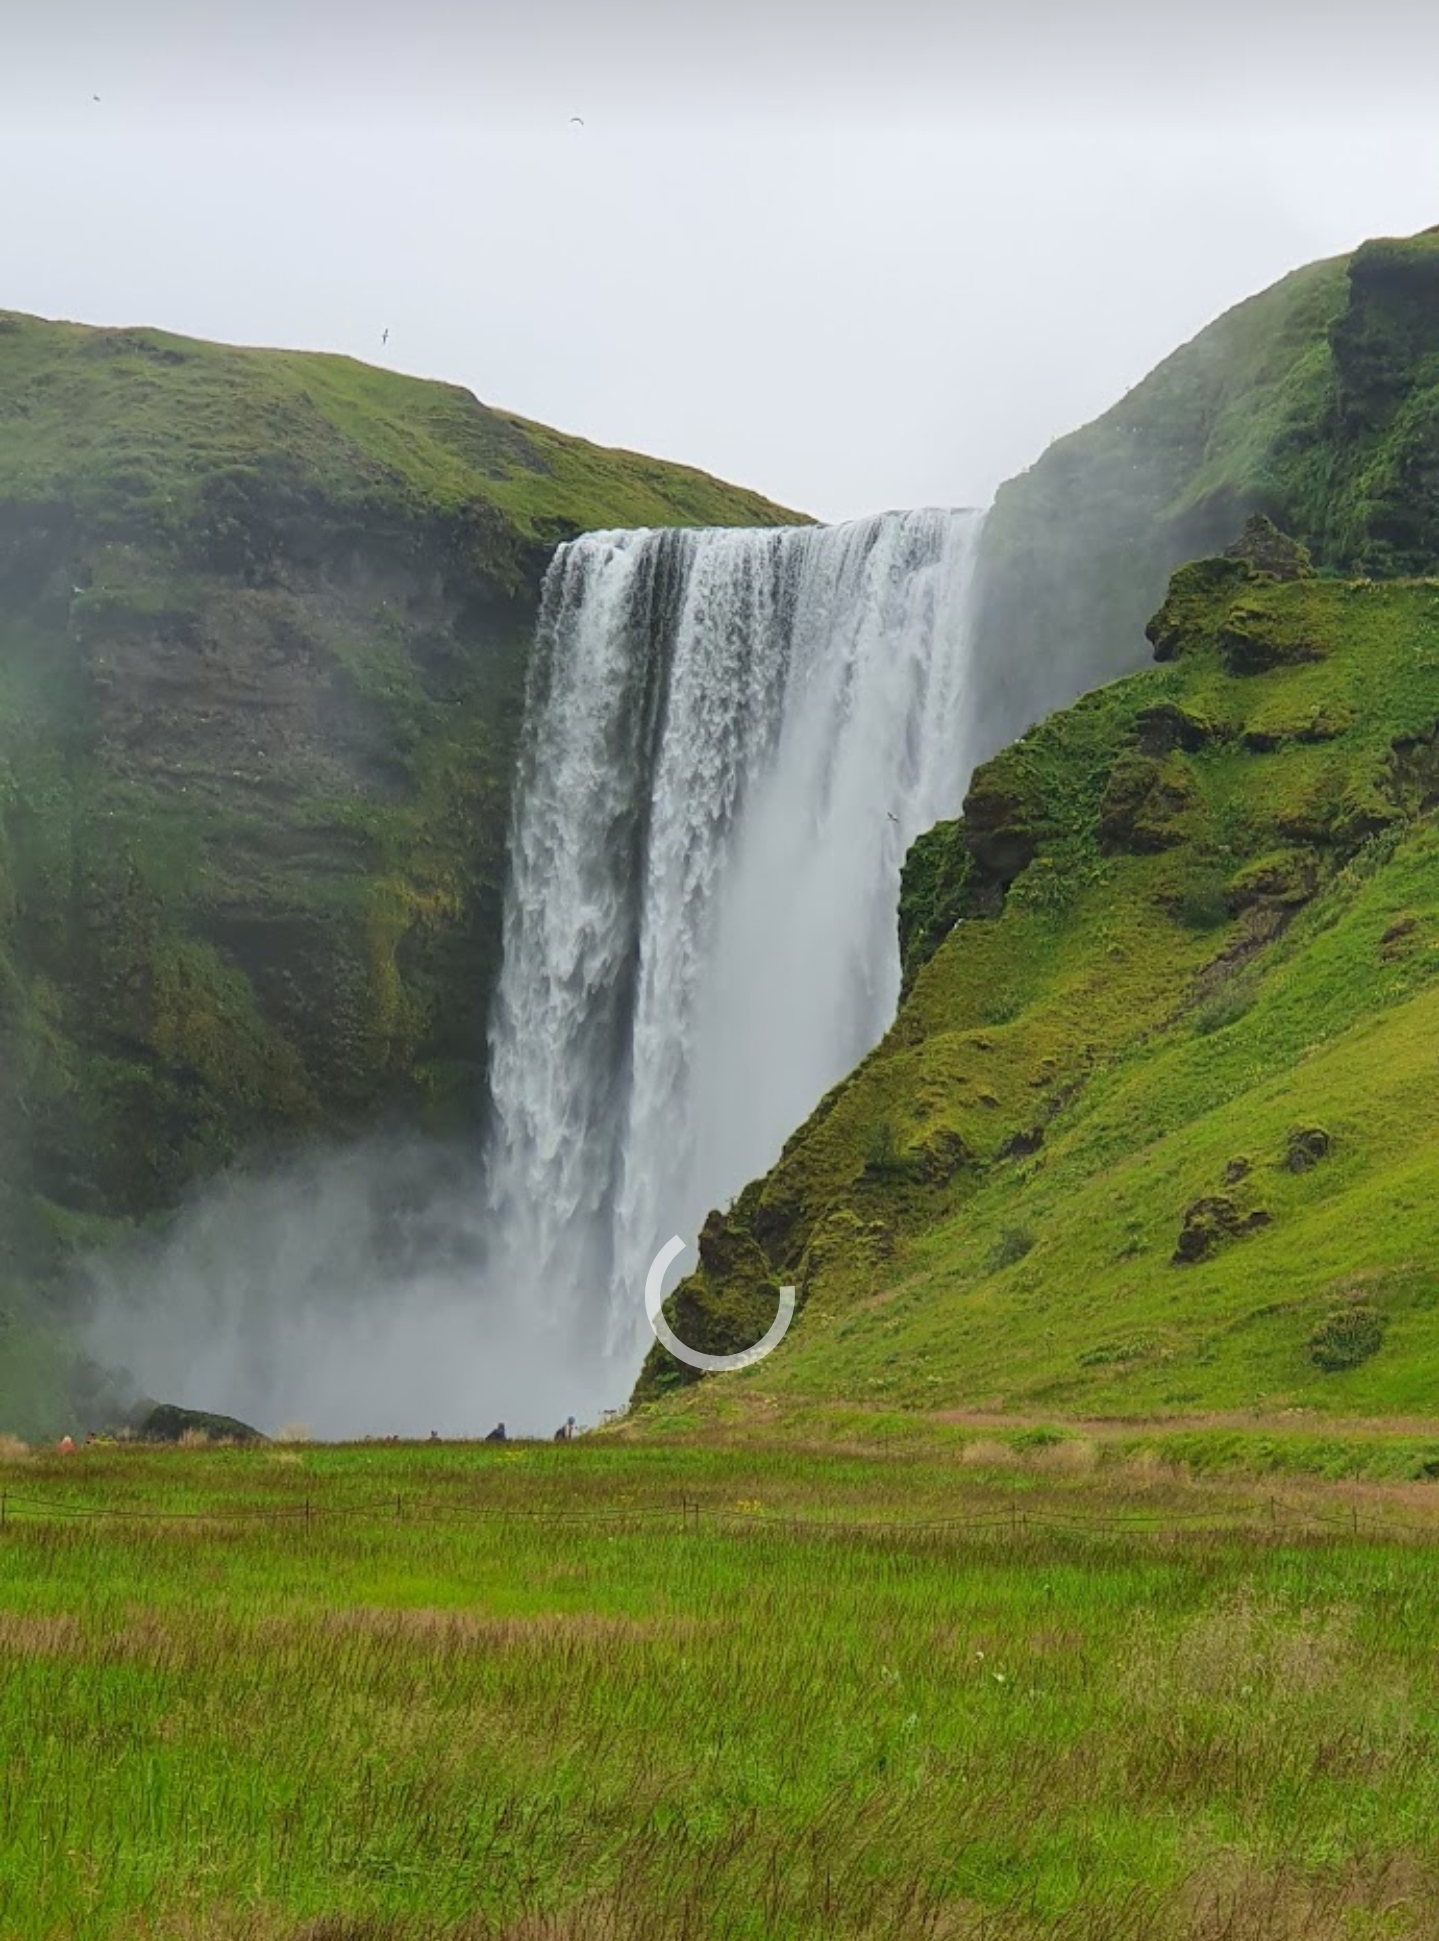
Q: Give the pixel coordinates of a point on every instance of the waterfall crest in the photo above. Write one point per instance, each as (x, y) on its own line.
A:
(731, 739)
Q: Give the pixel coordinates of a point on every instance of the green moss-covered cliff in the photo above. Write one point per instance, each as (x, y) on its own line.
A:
(1157, 1125)
(1315, 402)
(264, 620)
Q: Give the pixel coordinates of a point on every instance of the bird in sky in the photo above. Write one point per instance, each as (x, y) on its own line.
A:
(385, 335)
(576, 121)
(94, 97)
(891, 814)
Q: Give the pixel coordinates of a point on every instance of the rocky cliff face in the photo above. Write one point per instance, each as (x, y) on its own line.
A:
(1380, 513)
(254, 835)
(264, 622)
(1315, 402)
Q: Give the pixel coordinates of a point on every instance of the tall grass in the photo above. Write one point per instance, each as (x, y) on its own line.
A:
(661, 1691)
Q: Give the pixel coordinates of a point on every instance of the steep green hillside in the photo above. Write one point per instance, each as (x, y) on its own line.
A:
(264, 620)
(1316, 402)
(1155, 1128)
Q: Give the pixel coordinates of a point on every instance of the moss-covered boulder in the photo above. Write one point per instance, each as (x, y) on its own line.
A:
(1005, 818)
(1211, 1222)
(1305, 1147)
(1145, 803)
(934, 891)
(1168, 728)
(166, 1422)
(1254, 638)
(1269, 551)
(1286, 876)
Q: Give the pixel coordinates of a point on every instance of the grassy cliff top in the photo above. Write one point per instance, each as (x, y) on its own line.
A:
(1155, 1128)
(139, 423)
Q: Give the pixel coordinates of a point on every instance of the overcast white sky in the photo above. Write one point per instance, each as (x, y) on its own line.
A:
(856, 257)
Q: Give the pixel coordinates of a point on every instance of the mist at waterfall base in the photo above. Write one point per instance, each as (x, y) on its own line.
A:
(731, 739)
(342, 1292)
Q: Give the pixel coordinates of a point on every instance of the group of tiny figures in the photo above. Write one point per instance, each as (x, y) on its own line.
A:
(565, 1432)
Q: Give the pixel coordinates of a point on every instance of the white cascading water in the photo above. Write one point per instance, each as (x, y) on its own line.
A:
(732, 738)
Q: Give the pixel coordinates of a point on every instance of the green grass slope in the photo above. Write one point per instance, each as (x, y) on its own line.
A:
(1315, 402)
(143, 428)
(264, 624)
(1155, 1128)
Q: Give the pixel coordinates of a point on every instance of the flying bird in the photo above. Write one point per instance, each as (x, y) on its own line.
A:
(891, 814)
(385, 335)
(576, 121)
(94, 97)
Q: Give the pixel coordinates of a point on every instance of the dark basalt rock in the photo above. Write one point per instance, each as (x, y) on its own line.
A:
(1167, 727)
(726, 1248)
(1003, 821)
(1210, 1223)
(775, 1220)
(1412, 771)
(1305, 1147)
(1268, 550)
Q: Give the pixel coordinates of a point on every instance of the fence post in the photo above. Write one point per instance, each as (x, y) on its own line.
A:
(4, 1497)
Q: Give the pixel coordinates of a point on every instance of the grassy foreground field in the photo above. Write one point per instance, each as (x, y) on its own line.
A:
(935, 1680)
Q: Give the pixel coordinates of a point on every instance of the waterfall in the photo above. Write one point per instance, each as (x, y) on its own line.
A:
(731, 739)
